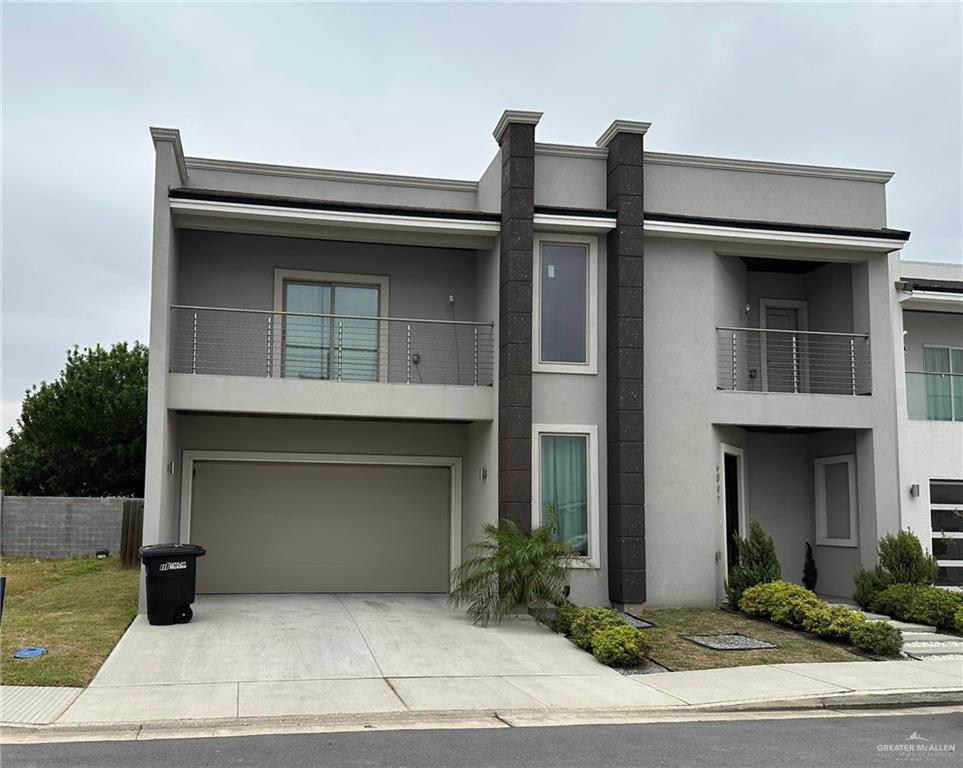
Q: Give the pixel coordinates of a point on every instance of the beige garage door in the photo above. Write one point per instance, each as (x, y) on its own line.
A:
(289, 527)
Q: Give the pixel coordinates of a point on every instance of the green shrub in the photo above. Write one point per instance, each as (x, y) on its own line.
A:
(792, 610)
(757, 564)
(868, 585)
(879, 638)
(832, 622)
(564, 615)
(902, 557)
(765, 599)
(958, 619)
(922, 604)
(620, 646)
(509, 568)
(588, 621)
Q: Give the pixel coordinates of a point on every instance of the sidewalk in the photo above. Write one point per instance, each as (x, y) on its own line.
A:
(526, 699)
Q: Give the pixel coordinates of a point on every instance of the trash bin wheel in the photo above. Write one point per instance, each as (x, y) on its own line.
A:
(183, 614)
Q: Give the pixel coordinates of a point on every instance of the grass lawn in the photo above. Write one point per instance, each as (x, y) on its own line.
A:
(672, 651)
(76, 608)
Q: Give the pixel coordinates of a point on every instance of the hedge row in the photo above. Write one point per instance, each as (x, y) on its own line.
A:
(920, 604)
(797, 607)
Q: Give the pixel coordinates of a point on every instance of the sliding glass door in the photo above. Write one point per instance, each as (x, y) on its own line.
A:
(341, 344)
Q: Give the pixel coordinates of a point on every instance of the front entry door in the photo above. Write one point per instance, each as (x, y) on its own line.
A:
(731, 478)
(782, 361)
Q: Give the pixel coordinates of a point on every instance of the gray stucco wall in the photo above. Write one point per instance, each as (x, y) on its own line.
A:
(45, 526)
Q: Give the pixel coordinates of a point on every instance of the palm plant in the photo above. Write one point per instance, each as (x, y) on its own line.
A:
(511, 568)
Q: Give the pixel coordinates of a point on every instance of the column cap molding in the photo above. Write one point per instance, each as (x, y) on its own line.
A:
(515, 116)
(622, 126)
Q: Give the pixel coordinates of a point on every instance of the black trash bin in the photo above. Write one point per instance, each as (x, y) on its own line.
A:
(171, 572)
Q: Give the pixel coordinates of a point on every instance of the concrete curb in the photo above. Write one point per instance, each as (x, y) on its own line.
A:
(836, 705)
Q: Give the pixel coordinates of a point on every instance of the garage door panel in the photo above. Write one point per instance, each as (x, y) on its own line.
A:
(290, 527)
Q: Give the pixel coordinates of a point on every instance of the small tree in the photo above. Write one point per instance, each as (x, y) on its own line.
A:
(901, 556)
(757, 563)
(512, 568)
(85, 433)
(810, 574)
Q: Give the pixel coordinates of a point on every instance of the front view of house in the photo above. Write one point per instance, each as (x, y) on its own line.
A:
(352, 373)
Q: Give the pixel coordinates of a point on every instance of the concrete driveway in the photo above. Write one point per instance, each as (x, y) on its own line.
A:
(276, 655)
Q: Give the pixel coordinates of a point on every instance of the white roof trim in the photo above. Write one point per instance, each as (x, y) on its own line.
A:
(383, 221)
(622, 126)
(515, 116)
(762, 166)
(553, 222)
(326, 174)
(737, 234)
(571, 150)
(174, 137)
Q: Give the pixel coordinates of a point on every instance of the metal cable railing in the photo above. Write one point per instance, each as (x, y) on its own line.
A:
(300, 345)
(811, 362)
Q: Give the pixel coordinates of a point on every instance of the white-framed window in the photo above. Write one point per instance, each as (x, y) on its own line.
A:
(565, 299)
(946, 519)
(835, 478)
(565, 485)
(943, 382)
(321, 331)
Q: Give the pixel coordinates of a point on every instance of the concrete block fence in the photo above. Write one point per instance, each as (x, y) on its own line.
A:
(48, 526)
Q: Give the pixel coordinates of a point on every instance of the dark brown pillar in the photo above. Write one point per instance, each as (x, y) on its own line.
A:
(626, 483)
(515, 134)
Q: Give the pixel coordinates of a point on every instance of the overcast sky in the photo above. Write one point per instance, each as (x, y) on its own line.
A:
(417, 89)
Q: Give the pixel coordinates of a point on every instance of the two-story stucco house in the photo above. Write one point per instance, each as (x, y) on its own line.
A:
(351, 373)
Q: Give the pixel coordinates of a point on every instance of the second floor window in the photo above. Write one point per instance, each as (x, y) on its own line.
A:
(943, 369)
(335, 345)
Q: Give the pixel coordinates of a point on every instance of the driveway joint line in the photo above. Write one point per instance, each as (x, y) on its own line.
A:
(395, 692)
(363, 638)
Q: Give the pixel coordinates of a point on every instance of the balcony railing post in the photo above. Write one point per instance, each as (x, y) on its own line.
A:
(270, 343)
(194, 346)
(476, 355)
(795, 365)
(733, 361)
(852, 361)
(340, 348)
(408, 354)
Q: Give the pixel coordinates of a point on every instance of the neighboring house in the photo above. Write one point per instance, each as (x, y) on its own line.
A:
(930, 412)
(351, 373)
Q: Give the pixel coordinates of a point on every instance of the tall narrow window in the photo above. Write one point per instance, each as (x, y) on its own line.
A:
(563, 468)
(565, 306)
(943, 374)
(946, 515)
(835, 478)
(338, 344)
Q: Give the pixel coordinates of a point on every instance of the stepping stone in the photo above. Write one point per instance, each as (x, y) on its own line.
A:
(729, 642)
(905, 626)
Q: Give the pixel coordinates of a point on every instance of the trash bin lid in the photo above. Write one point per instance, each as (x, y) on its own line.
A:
(171, 550)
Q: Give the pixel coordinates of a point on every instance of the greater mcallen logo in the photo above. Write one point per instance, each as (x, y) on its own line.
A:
(174, 565)
(916, 745)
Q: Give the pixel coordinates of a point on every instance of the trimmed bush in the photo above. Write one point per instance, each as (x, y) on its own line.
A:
(620, 646)
(958, 619)
(922, 604)
(792, 610)
(588, 621)
(766, 599)
(879, 638)
(832, 622)
(868, 585)
(564, 615)
(901, 556)
(757, 564)
(810, 573)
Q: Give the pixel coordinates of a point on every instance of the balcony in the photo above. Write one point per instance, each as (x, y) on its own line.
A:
(798, 362)
(934, 396)
(325, 364)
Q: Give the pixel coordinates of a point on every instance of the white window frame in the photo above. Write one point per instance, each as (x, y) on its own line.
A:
(822, 523)
(590, 431)
(934, 534)
(590, 366)
(743, 525)
(340, 278)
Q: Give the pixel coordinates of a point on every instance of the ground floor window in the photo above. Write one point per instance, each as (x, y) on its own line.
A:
(566, 482)
(835, 478)
(946, 517)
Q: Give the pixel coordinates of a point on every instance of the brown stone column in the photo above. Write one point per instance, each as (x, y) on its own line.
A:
(624, 348)
(515, 134)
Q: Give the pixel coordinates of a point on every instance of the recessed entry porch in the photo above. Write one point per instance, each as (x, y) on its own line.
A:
(802, 485)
